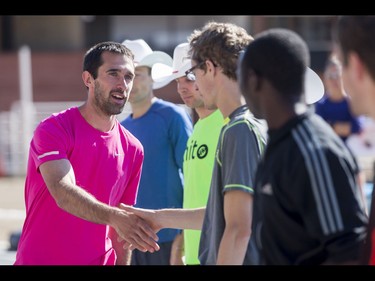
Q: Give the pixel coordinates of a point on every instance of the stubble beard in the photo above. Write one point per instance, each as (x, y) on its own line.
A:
(105, 105)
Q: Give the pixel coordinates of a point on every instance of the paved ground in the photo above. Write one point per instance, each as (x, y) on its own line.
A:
(12, 214)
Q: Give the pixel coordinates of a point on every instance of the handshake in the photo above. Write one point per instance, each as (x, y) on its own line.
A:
(139, 231)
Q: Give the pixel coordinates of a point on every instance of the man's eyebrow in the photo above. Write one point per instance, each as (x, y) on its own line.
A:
(113, 69)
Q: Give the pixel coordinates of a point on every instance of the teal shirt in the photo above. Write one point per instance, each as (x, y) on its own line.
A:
(163, 132)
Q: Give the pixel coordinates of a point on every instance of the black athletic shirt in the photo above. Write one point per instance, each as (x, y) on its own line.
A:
(307, 206)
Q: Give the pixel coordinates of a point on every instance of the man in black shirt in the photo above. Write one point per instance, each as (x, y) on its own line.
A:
(307, 204)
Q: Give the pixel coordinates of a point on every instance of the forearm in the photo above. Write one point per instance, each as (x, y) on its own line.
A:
(237, 232)
(343, 129)
(233, 247)
(80, 203)
(177, 250)
(361, 185)
(181, 218)
(60, 180)
(123, 255)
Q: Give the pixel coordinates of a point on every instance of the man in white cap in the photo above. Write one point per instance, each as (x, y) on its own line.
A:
(163, 128)
(200, 148)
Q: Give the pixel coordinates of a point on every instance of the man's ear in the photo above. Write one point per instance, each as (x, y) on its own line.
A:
(357, 66)
(210, 65)
(86, 77)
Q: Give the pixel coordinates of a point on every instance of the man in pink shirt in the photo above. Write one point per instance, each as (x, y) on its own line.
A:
(82, 165)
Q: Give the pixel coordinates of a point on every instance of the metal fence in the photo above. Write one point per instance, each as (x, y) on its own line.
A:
(17, 126)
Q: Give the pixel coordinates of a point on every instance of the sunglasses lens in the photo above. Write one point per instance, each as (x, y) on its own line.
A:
(190, 76)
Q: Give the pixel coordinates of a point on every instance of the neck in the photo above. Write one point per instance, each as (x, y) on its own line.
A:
(229, 98)
(282, 113)
(96, 118)
(203, 112)
(140, 108)
(230, 104)
(338, 95)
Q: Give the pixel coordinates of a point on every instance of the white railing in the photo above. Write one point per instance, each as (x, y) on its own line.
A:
(16, 132)
(17, 126)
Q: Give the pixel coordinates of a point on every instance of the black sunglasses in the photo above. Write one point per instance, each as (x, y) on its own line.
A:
(190, 74)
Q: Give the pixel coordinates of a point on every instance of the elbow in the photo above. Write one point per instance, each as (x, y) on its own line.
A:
(58, 195)
(60, 202)
(241, 232)
(244, 234)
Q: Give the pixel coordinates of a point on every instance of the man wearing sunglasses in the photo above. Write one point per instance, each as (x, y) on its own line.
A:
(226, 220)
(200, 148)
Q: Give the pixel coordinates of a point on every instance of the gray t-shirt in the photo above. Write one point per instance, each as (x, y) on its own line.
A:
(241, 143)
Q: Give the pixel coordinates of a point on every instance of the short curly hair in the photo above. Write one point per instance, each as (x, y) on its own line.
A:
(221, 43)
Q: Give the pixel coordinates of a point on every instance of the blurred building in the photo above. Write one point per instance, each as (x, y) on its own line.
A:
(57, 44)
(74, 33)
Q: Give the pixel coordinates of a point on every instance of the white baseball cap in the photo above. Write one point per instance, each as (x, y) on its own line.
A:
(314, 87)
(162, 73)
(144, 56)
(181, 62)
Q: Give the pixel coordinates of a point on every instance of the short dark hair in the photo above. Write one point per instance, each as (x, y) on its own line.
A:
(93, 57)
(357, 34)
(281, 56)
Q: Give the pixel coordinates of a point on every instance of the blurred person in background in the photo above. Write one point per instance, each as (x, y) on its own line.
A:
(163, 128)
(82, 164)
(334, 107)
(200, 148)
(307, 203)
(355, 47)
